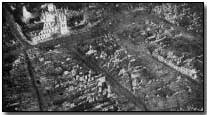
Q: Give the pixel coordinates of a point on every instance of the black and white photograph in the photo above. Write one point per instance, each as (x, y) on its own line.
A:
(103, 56)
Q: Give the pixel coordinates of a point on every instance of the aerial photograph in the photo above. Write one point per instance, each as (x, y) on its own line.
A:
(79, 57)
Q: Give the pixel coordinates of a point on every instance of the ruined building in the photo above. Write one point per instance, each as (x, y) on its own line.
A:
(52, 22)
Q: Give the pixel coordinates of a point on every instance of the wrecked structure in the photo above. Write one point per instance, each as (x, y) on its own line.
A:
(52, 21)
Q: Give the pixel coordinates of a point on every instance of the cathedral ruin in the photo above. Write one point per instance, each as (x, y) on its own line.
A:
(52, 21)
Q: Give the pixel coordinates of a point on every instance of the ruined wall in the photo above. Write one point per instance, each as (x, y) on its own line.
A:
(189, 72)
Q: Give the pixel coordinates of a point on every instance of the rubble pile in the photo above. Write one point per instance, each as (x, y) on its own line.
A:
(69, 86)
